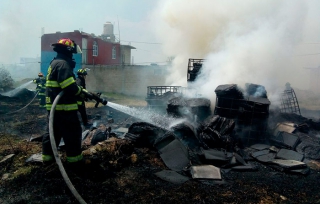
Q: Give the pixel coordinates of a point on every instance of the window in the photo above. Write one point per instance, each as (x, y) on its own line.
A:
(95, 49)
(114, 52)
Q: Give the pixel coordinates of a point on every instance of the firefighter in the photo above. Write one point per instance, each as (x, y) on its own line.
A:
(81, 81)
(288, 86)
(66, 124)
(41, 89)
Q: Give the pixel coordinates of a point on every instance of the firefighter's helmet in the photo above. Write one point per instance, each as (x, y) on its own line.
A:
(82, 72)
(40, 75)
(69, 44)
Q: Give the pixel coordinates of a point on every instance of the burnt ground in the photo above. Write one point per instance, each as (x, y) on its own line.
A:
(117, 178)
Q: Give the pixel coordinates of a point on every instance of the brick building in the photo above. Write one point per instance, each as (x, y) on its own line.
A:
(96, 50)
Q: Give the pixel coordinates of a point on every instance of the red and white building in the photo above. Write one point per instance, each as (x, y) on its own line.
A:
(96, 50)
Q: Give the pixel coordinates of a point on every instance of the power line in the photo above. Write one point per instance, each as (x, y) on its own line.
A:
(149, 62)
(142, 42)
(307, 54)
(151, 52)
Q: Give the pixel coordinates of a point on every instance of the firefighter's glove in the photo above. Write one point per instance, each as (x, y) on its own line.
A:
(85, 94)
(82, 95)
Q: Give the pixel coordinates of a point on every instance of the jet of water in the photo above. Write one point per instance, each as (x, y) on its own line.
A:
(17, 90)
(162, 121)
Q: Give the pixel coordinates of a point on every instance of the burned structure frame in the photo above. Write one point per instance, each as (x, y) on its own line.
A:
(194, 67)
(289, 102)
(158, 96)
(249, 112)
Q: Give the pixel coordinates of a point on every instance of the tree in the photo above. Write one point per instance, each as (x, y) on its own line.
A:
(6, 81)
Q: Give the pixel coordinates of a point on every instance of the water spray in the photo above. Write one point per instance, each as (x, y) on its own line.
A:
(17, 90)
(151, 117)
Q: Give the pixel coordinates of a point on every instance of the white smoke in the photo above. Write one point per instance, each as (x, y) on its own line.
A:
(242, 42)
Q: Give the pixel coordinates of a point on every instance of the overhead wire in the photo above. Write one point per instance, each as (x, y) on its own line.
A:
(307, 54)
(152, 43)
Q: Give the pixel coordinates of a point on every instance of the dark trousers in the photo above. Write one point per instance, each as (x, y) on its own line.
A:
(66, 125)
(83, 113)
(42, 100)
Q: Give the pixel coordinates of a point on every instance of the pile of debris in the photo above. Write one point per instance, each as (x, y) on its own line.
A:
(208, 151)
(195, 109)
(249, 108)
(210, 145)
(158, 96)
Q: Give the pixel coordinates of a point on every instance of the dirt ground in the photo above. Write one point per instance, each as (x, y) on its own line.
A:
(117, 178)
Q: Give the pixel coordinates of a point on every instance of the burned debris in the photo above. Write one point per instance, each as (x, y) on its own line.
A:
(192, 108)
(158, 96)
(240, 119)
(205, 145)
(249, 109)
(289, 101)
(194, 68)
(204, 151)
(235, 137)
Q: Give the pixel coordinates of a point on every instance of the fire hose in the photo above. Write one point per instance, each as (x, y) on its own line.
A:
(55, 152)
(54, 146)
(25, 105)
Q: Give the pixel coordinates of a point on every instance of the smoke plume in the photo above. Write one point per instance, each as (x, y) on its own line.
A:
(241, 41)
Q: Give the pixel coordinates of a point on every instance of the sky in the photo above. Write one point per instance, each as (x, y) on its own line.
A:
(21, 23)
(267, 42)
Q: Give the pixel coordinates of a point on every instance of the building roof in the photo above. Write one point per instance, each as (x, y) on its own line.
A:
(128, 46)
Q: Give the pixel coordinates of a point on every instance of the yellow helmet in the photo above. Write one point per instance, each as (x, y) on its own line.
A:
(82, 71)
(69, 44)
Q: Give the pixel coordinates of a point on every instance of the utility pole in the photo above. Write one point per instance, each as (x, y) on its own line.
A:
(122, 65)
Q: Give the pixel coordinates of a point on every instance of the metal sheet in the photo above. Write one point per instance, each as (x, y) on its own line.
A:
(85, 134)
(121, 130)
(289, 164)
(289, 155)
(240, 159)
(260, 146)
(172, 176)
(205, 172)
(173, 145)
(244, 168)
(175, 156)
(259, 153)
(212, 154)
(267, 157)
(284, 127)
(286, 139)
(162, 142)
(303, 171)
